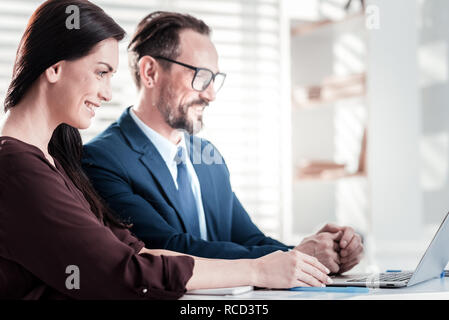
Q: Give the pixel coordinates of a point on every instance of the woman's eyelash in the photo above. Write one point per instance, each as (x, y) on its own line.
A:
(102, 73)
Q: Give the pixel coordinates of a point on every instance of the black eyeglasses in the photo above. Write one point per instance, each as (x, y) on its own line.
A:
(202, 77)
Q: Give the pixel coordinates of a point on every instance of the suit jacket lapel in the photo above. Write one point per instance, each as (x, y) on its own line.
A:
(154, 163)
(152, 160)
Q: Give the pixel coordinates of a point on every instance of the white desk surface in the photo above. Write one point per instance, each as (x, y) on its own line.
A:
(437, 289)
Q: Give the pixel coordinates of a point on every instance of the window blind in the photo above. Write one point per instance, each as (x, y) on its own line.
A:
(243, 122)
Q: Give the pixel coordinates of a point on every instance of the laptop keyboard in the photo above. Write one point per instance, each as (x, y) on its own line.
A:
(386, 277)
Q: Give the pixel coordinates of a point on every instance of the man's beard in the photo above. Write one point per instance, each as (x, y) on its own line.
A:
(177, 117)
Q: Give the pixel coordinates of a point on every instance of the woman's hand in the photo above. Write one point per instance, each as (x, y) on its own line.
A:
(280, 270)
(277, 270)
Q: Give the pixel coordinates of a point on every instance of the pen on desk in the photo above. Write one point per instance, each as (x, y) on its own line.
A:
(332, 289)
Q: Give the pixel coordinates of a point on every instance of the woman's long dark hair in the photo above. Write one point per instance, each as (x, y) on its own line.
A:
(52, 35)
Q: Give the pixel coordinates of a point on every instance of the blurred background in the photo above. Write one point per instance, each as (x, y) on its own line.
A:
(332, 111)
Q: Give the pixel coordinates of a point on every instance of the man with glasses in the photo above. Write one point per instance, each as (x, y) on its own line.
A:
(172, 186)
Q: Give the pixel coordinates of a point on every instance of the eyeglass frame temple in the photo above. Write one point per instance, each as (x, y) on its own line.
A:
(196, 71)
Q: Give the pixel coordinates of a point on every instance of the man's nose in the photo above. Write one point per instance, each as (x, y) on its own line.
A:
(209, 93)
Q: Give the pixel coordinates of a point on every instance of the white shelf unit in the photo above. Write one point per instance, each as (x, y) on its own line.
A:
(397, 207)
(328, 121)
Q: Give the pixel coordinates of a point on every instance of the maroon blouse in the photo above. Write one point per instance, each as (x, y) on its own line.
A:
(46, 225)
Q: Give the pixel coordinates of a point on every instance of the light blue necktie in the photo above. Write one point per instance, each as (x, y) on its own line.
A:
(185, 195)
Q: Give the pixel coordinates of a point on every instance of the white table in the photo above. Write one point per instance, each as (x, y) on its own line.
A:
(437, 289)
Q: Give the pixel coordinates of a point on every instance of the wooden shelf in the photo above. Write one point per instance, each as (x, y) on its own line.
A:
(331, 90)
(329, 170)
(311, 104)
(327, 175)
(305, 28)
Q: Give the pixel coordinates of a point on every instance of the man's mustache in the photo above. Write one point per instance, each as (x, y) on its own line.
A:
(199, 102)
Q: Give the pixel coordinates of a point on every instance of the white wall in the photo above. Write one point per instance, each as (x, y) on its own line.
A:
(394, 122)
(409, 127)
(433, 61)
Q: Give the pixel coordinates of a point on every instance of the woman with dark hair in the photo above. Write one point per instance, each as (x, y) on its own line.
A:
(57, 237)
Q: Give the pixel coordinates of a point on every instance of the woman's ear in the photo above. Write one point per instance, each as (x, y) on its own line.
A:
(53, 73)
(148, 70)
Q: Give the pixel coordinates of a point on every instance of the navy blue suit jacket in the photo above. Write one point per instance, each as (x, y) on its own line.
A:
(129, 173)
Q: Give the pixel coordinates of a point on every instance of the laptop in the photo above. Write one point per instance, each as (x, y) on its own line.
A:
(431, 266)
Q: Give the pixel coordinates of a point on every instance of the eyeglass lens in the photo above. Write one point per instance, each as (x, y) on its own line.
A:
(203, 79)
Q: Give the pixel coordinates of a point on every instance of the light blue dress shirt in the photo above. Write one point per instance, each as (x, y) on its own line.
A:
(168, 150)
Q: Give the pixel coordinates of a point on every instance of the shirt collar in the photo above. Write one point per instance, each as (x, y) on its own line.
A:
(165, 147)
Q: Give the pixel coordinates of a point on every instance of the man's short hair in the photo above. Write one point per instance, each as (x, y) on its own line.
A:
(158, 35)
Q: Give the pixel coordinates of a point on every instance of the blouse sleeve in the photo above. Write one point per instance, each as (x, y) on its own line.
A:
(48, 232)
(15, 281)
(125, 236)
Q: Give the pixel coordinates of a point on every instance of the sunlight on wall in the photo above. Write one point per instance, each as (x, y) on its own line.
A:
(434, 152)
